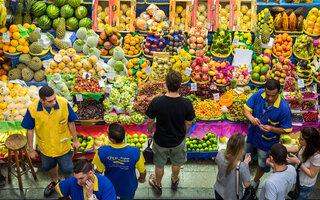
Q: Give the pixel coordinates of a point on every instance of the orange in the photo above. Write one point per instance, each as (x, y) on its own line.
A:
(25, 49)
(137, 41)
(16, 35)
(12, 50)
(26, 25)
(130, 53)
(136, 51)
(14, 43)
(127, 46)
(138, 74)
(33, 26)
(26, 43)
(136, 67)
(13, 28)
(125, 51)
(135, 60)
(132, 43)
(130, 65)
(130, 72)
(9, 33)
(144, 65)
(132, 48)
(5, 47)
(127, 41)
(19, 48)
(22, 41)
(144, 76)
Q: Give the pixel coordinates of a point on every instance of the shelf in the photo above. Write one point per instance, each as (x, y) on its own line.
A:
(284, 4)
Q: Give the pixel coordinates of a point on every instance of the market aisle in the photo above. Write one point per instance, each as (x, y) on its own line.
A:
(197, 179)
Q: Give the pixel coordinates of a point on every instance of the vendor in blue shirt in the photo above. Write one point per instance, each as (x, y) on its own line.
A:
(269, 117)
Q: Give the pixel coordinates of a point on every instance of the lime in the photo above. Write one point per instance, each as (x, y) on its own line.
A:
(191, 146)
(197, 149)
(81, 149)
(135, 140)
(206, 149)
(132, 144)
(138, 145)
(205, 137)
(193, 150)
(199, 146)
(83, 144)
(128, 136)
(90, 138)
(194, 142)
(79, 135)
(144, 135)
(71, 137)
(189, 149)
(135, 135)
(208, 142)
(215, 149)
(80, 139)
(128, 140)
(201, 150)
(204, 145)
(201, 142)
(195, 146)
(141, 140)
(210, 149)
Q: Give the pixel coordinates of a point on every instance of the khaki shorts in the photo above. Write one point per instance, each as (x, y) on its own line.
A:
(178, 154)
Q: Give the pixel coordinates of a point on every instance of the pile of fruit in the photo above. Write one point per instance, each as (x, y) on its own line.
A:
(132, 44)
(235, 111)
(152, 14)
(86, 143)
(224, 14)
(221, 72)
(101, 141)
(207, 110)
(261, 20)
(281, 69)
(293, 96)
(197, 41)
(289, 20)
(245, 39)
(316, 43)
(312, 23)
(155, 41)
(5, 66)
(160, 68)
(180, 63)
(310, 116)
(61, 85)
(136, 140)
(89, 110)
(241, 74)
(221, 43)
(180, 17)
(125, 16)
(304, 71)
(200, 69)
(242, 96)
(208, 143)
(202, 13)
(205, 91)
(136, 69)
(308, 105)
(245, 18)
(303, 47)
(118, 63)
(5, 135)
(316, 74)
(176, 40)
(282, 45)
(289, 84)
(86, 85)
(102, 17)
(108, 39)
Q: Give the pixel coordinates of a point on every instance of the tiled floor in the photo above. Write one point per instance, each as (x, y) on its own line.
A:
(197, 180)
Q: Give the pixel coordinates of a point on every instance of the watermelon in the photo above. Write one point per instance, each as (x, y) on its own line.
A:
(39, 8)
(66, 11)
(53, 11)
(59, 2)
(85, 22)
(72, 24)
(81, 12)
(74, 3)
(44, 22)
(55, 23)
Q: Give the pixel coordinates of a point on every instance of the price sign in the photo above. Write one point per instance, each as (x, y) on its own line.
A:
(103, 76)
(79, 97)
(207, 25)
(216, 96)
(300, 83)
(111, 75)
(86, 75)
(108, 89)
(40, 42)
(148, 70)
(5, 37)
(102, 83)
(187, 72)
(316, 64)
(193, 86)
(178, 50)
(235, 41)
(213, 87)
(46, 63)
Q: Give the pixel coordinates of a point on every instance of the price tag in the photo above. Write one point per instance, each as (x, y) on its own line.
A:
(79, 97)
(111, 75)
(193, 86)
(40, 42)
(300, 83)
(295, 75)
(178, 50)
(207, 25)
(249, 67)
(187, 72)
(235, 41)
(148, 70)
(216, 96)
(46, 63)
(103, 76)
(5, 37)
(102, 83)
(213, 87)
(316, 64)
(108, 89)
(86, 75)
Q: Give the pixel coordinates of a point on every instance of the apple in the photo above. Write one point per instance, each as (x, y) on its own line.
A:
(147, 45)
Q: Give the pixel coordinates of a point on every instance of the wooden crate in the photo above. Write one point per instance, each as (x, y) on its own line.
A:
(185, 14)
(224, 6)
(106, 5)
(198, 12)
(127, 18)
(251, 5)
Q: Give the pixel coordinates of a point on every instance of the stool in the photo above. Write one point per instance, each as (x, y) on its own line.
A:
(17, 143)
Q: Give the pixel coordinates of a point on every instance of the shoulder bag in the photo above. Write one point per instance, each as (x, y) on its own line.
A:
(249, 193)
(295, 193)
(148, 153)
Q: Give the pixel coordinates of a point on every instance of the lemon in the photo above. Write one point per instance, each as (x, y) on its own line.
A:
(99, 9)
(222, 140)
(179, 9)
(223, 12)
(244, 9)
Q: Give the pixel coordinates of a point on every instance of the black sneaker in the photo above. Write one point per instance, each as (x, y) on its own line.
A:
(152, 182)
(49, 190)
(174, 185)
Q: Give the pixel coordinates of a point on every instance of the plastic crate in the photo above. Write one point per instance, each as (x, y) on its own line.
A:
(127, 19)
(219, 7)
(202, 12)
(176, 15)
(96, 14)
(242, 6)
(201, 155)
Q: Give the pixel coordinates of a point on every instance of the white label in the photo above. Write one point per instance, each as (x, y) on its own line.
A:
(5, 37)
(79, 97)
(46, 63)
(40, 42)
(207, 25)
(213, 87)
(102, 83)
(108, 89)
(235, 41)
(249, 67)
(148, 70)
(86, 75)
(103, 76)
(193, 86)
(300, 83)
(178, 50)
(187, 72)
(111, 75)
(295, 75)
(316, 64)
(216, 96)
(242, 57)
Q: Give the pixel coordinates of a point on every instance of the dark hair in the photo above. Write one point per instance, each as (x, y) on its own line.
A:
(45, 91)
(279, 153)
(312, 138)
(83, 166)
(116, 132)
(273, 84)
(173, 81)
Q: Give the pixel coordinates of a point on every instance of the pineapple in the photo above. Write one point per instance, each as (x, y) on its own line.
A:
(265, 33)
(257, 46)
(18, 15)
(27, 17)
(58, 43)
(61, 28)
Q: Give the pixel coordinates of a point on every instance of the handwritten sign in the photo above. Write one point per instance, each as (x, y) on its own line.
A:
(79, 97)
(193, 86)
(187, 72)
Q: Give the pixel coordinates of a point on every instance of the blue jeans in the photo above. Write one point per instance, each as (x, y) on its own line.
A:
(262, 156)
(218, 197)
(305, 192)
(64, 161)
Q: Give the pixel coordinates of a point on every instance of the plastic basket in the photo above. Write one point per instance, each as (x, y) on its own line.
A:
(259, 84)
(290, 33)
(43, 54)
(201, 155)
(12, 55)
(309, 58)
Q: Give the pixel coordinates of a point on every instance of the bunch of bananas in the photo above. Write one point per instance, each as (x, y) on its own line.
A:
(304, 70)
(3, 13)
(4, 136)
(260, 20)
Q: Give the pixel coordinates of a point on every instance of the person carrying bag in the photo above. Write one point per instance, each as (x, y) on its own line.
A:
(249, 193)
(295, 193)
(147, 153)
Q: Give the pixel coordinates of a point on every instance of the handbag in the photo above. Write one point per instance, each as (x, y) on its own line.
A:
(148, 153)
(295, 193)
(249, 193)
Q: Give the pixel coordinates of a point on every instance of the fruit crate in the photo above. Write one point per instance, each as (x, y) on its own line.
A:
(102, 14)
(246, 15)
(180, 14)
(125, 15)
(202, 12)
(224, 15)
(206, 155)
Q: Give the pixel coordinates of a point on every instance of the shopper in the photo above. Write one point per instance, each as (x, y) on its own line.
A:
(308, 160)
(174, 116)
(283, 178)
(85, 182)
(120, 162)
(228, 160)
(52, 120)
(269, 117)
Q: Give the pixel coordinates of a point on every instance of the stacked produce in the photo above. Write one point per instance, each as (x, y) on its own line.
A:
(90, 110)
(265, 17)
(245, 39)
(289, 84)
(160, 68)
(151, 15)
(180, 63)
(5, 66)
(155, 41)
(176, 40)
(208, 143)
(221, 43)
(102, 17)
(184, 90)
(136, 140)
(108, 39)
(92, 40)
(118, 62)
(5, 135)
(281, 69)
(15, 99)
(200, 68)
(304, 71)
(85, 85)
(260, 67)
(316, 44)
(316, 74)
(61, 85)
(312, 23)
(86, 143)
(310, 116)
(282, 45)
(100, 141)
(132, 44)
(136, 69)
(236, 111)
(303, 48)
(245, 18)
(180, 17)
(241, 74)
(207, 110)
(289, 19)
(125, 16)
(202, 13)
(242, 96)
(257, 44)
(205, 91)
(224, 15)
(197, 41)
(221, 72)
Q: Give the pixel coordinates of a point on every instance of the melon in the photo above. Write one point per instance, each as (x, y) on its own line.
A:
(39, 8)
(72, 24)
(53, 11)
(81, 12)
(66, 11)
(44, 22)
(74, 3)
(59, 2)
(85, 22)
(55, 23)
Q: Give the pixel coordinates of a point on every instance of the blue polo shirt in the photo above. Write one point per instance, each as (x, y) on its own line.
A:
(102, 188)
(120, 163)
(29, 123)
(277, 115)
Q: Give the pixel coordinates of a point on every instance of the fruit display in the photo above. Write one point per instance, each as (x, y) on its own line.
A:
(86, 143)
(136, 140)
(15, 99)
(245, 39)
(312, 22)
(89, 110)
(221, 43)
(288, 141)
(224, 15)
(296, 118)
(184, 90)
(303, 48)
(204, 91)
(84, 85)
(200, 68)
(132, 44)
(293, 96)
(308, 105)
(136, 69)
(289, 20)
(316, 74)
(102, 16)
(304, 71)
(310, 116)
(176, 40)
(180, 17)
(155, 41)
(308, 95)
(295, 105)
(265, 21)
(197, 41)
(109, 39)
(245, 18)
(260, 67)
(289, 84)
(241, 74)
(160, 68)
(180, 63)
(61, 85)
(151, 15)
(243, 96)
(202, 13)
(222, 72)
(5, 66)
(118, 62)
(208, 143)
(101, 141)
(59, 44)
(235, 111)
(257, 44)
(282, 68)
(5, 135)
(316, 44)
(282, 45)
(207, 110)
(124, 16)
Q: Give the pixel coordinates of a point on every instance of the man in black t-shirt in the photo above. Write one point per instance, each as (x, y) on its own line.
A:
(174, 115)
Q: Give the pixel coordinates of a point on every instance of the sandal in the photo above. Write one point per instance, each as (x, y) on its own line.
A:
(174, 185)
(152, 182)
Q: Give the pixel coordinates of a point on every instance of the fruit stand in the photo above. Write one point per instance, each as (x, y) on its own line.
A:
(111, 68)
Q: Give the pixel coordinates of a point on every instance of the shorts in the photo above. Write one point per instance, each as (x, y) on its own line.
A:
(262, 156)
(305, 192)
(64, 161)
(178, 154)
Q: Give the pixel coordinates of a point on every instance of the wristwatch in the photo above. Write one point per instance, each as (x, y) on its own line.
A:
(93, 197)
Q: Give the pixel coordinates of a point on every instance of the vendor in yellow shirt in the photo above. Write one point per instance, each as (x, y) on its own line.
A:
(52, 120)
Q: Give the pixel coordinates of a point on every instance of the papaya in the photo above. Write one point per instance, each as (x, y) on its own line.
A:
(300, 23)
(276, 9)
(278, 22)
(285, 21)
(299, 11)
(293, 22)
(288, 11)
